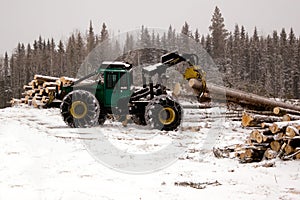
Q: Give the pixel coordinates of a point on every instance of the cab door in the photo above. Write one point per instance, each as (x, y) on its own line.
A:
(112, 90)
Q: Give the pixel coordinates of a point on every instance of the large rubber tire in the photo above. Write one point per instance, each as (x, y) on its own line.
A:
(80, 109)
(163, 113)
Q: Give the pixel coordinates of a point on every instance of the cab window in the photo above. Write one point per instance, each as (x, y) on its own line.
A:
(111, 80)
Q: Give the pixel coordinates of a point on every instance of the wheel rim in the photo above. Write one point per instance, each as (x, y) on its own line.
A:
(166, 115)
(78, 109)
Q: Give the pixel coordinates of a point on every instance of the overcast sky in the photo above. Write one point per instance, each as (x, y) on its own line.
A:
(24, 20)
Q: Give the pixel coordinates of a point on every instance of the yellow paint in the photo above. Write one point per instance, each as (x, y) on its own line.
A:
(166, 120)
(78, 109)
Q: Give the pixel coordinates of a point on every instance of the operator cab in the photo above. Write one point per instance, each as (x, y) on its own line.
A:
(117, 81)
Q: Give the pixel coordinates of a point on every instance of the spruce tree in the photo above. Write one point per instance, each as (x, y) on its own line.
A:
(197, 36)
(293, 77)
(104, 33)
(286, 87)
(29, 63)
(171, 39)
(61, 59)
(91, 43)
(208, 44)
(219, 35)
(129, 43)
(71, 57)
(80, 51)
(254, 61)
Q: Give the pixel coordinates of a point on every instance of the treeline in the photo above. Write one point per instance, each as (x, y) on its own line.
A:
(266, 65)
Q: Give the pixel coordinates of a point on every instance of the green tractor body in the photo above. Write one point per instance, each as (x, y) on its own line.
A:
(109, 91)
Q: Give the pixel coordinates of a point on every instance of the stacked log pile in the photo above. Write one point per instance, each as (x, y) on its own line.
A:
(271, 137)
(40, 90)
(277, 125)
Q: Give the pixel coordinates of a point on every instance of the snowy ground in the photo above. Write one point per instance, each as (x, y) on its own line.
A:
(41, 158)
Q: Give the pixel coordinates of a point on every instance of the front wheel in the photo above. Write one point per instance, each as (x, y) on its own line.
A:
(163, 113)
(80, 109)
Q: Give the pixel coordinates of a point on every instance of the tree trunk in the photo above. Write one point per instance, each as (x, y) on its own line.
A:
(240, 96)
(291, 131)
(284, 111)
(255, 120)
(289, 117)
(280, 126)
(270, 154)
(45, 78)
(275, 145)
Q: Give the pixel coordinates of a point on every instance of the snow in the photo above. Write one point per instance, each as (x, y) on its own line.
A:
(41, 158)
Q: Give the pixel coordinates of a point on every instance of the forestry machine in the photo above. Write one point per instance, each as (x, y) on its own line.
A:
(111, 93)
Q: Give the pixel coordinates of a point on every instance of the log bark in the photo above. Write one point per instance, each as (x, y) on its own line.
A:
(238, 96)
(284, 111)
(67, 80)
(255, 120)
(295, 155)
(49, 84)
(266, 125)
(289, 117)
(27, 87)
(50, 89)
(280, 126)
(253, 155)
(45, 78)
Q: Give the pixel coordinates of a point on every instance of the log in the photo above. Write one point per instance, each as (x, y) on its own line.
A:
(238, 96)
(253, 134)
(284, 111)
(288, 149)
(42, 91)
(291, 131)
(49, 84)
(14, 102)
(253, 155)
(260, 138)
(295, 155)
(38, 82)
(259, 112)
(270, 154)
(27, 87)
(275, 145)
(279, 136)
(50, 89)
(45, 99)
(289, 117)
(266, 125)
(36, 103)
(65, 79)
(279, 126)
(45, 78)
(255, 120)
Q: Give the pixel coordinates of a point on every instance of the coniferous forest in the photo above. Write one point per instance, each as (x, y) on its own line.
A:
(267, 65)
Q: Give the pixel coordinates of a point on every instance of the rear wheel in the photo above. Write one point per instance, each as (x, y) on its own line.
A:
(80, 109)
(163, 113)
